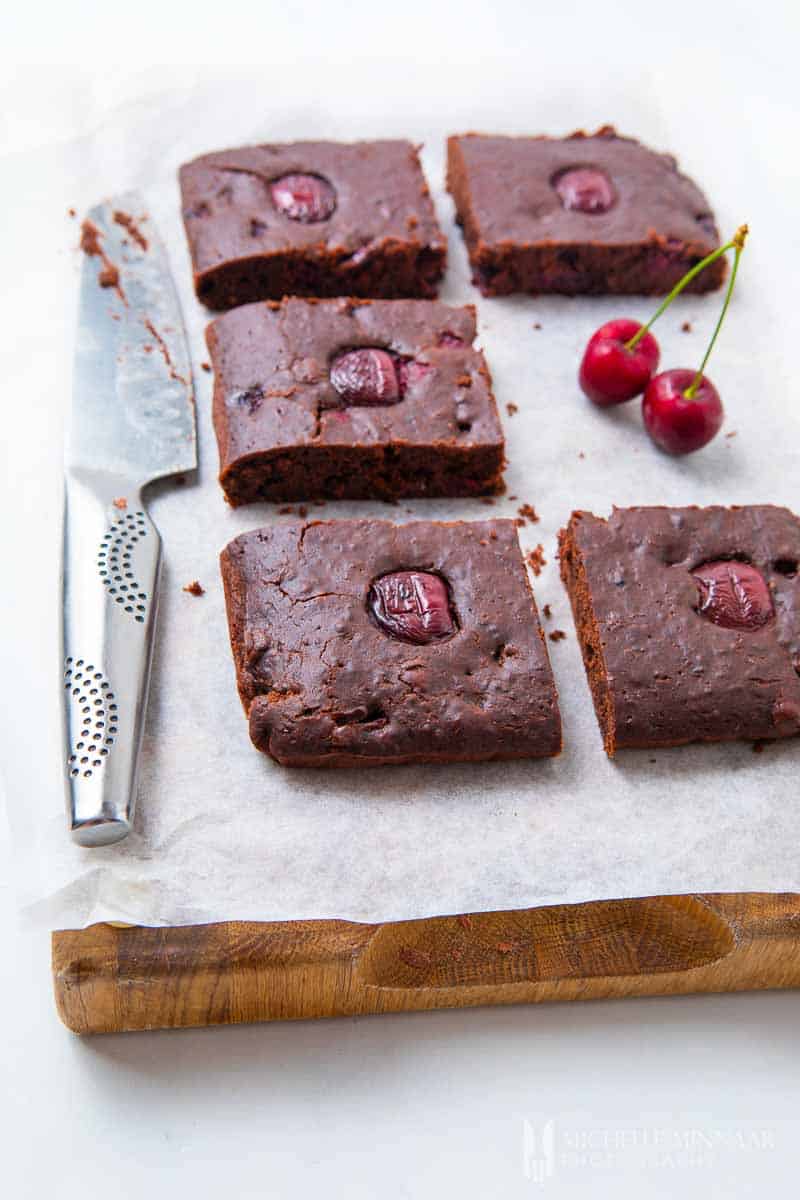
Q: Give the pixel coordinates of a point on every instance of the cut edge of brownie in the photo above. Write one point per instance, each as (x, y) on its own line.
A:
(573, 575)
(397, 471)
(398, 271)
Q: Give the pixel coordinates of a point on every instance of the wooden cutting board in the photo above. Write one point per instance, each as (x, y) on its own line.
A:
(110, 978)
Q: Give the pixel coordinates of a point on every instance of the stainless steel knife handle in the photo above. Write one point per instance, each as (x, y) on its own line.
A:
(111, 566)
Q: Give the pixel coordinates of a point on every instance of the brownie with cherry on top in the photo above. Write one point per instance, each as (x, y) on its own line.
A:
(361, 643)
(588, 214)
(353, 399)
(689, 622)
(311, 219)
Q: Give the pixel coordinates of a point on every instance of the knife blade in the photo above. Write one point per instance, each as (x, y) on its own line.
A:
(132, 422)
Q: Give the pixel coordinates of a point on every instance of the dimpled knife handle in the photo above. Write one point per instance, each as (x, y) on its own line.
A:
(111, 564)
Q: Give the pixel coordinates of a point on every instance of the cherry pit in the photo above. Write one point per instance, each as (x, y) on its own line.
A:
(681, 408)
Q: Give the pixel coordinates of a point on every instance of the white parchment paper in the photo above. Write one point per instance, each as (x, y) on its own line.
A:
(222, 832)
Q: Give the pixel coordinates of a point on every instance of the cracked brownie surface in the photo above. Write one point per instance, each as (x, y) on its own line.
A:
(311, 218)
(285, 432)
(689, 621)
(327, 679)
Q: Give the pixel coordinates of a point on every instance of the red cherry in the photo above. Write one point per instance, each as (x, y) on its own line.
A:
(412, 606)
(585, 189)
(733, 594)
(304, 198)
(611, 373)
(677, 423)
(366, 376)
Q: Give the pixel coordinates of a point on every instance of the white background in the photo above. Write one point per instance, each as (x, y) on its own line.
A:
(432, 1104)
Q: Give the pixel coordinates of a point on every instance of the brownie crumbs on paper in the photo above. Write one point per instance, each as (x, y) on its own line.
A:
(528, 513)
(732, 434)
(557, 635)
(71, 213)
(537, 325)
(547, 611)
(205, 366)
(195, 589)
(535, 559)
(686, 327)
(512, 408)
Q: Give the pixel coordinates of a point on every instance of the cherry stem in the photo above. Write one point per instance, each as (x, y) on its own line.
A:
(736, 243)
(739, 245)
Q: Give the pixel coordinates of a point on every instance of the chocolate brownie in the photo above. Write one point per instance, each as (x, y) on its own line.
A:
(311, 219)
(689, 622)
(364, 643)
(587, 214)
(352, 398)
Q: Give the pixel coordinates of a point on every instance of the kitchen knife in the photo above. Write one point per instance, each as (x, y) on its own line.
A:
(133, 421)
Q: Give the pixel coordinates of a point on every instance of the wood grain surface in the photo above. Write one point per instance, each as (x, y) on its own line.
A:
(110, 978)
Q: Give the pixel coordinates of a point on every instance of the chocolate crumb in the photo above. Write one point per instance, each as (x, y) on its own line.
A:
(557, 635)
(302, 511)
(536, 325)
(512, 408)
(195, 589)
(71, 212)
(686, 327)
(127, 222)
(528, 513)
(732, 434)
(758, 747)
(487, 500)
(286, 508)
(581, 454)
(536, 560)
(108, 277)
(205, 366)
(91, 245)
(547, 611)
(513, 497)
(120, 502)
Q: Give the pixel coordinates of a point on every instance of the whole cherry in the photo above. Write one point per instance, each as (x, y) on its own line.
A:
(681, 408)
(679, 415)
(618, 362)
(622, 355)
